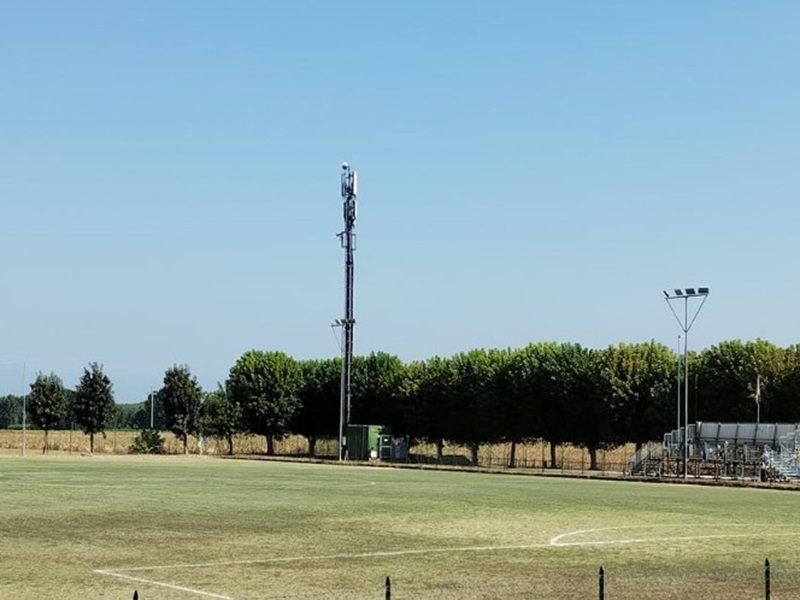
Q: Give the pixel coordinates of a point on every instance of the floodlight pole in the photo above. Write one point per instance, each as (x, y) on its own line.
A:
(686, 391)
(678, 386)
(152, 412)
(24, 407)
(349, 191)
(686, 325)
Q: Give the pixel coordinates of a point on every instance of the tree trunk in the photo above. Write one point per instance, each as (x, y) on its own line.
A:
(474, 451)
(44, 448)
(439, 450)
(639, 445)
(512, 460)
(270, 445)
(91, 443)
(312, 445)
(230, 444)
(552, 455)
(592, 458)
(186, 444)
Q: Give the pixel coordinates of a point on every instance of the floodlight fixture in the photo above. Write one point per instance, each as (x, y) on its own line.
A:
(666, 294)
(703, 291)
(690, 292)
(678, 292)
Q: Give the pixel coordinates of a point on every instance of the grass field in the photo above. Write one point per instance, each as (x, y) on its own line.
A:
(202, 527)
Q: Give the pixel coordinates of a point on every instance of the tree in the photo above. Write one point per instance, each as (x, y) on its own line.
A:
(69, 415)
(125, 416)
(436, 401)
(320, 399)
(638, 385)
(376, 385)
(549, 393)
(729, 373)
(409, 399)
(518, 406)
(47, 403)
(267, 386)
(588, 418)
(473, 418)
(149, 441)
(182, 398)
(425, 398)
(93, 405)
(10, 411)
(785, 392)
(221, 418)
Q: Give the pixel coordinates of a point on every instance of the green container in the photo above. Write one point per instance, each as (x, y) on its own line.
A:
(365, 442)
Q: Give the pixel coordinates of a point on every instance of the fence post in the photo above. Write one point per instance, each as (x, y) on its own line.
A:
(135, 595)
(388, 588)
(601, 577)
(766, 579)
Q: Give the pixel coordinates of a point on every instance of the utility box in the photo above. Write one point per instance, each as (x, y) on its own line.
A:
(366, 441)
(385, 443)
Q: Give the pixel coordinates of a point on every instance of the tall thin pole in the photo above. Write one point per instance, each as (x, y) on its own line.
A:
(349, 190)
(152, 411)
(342, 404)
(678, 402)
(24, 407)
(758, 398)
(686, 390)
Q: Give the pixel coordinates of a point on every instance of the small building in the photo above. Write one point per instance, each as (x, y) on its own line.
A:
(366, 442)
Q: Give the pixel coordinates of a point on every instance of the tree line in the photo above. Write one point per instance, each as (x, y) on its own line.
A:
(562, 393)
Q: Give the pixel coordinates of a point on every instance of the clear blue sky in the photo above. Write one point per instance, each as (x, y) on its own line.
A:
(169, 177)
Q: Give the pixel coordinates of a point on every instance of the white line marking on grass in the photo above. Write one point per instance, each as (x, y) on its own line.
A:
(555, 542)
(558, 541)
(170, 586)
(388, 553)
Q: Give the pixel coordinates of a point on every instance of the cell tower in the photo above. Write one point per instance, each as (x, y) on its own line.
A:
(347, 239)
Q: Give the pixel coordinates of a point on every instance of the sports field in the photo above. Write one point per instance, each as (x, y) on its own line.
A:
(199, 527)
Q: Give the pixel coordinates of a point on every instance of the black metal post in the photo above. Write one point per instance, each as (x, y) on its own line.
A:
(135, 595)
(388, 588)
(601, 576)
(766, 579)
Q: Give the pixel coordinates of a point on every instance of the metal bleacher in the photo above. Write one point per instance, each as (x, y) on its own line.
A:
(747, 450)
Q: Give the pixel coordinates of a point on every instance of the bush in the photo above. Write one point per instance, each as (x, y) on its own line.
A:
(149, 441)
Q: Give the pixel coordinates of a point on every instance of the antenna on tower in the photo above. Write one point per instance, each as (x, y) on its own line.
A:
(349, 191)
